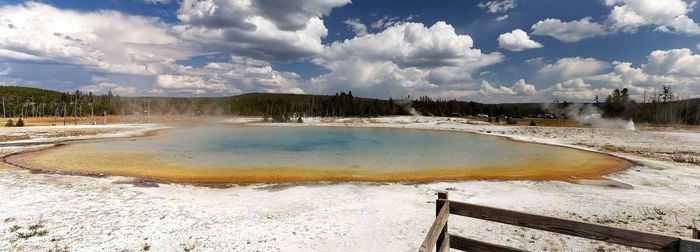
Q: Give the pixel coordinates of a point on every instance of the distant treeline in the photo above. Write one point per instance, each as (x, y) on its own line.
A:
(33, 102)
(427, 106)
(663, 107)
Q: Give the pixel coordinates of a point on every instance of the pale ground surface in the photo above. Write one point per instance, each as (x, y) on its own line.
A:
(45, 211)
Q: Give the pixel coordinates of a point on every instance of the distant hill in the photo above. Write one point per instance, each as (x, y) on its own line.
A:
(28, 92)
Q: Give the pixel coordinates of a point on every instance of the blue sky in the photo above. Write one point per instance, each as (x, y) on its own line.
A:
(489, 51)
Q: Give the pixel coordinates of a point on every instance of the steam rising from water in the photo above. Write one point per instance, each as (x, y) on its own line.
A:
(588, 114)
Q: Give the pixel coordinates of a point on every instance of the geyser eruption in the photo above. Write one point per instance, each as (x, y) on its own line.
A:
(630, 125)
(591, 115)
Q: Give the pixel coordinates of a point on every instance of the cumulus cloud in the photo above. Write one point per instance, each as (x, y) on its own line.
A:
(185, 82)
(404, 58)
(667, 16)
(625, 75)
(675, 61)
(663, 67)
(238, 75)
(571, 31)
(145, 51)
(104, 87)
(683, 24)
(488, 89)
(516, 41)
(295, 14)
(357, 26)
(520, 88)
(498, 6)
(626, 16)
(569, 68)
(575, 90)
(264, 29)
(104, 41)
(292, 15)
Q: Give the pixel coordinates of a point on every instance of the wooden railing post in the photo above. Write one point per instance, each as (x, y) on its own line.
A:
(438, 237)
(438, 206)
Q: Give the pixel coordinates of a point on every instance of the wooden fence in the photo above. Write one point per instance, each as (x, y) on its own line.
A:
(439, 238)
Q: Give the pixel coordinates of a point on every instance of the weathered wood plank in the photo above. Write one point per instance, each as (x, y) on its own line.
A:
(689, 245)
(575, 228)
(436, 229)
(466, 244)
(442, 195)
(445, 244)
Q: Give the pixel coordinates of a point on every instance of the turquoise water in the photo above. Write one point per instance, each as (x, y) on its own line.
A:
(229, 147)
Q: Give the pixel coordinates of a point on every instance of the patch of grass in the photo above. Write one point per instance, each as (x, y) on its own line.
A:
(613, 148)
(685, 157)
(35, 226)
(57, 248)
(36, 229)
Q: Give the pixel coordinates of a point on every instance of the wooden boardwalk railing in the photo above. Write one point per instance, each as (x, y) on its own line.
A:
(439, 238)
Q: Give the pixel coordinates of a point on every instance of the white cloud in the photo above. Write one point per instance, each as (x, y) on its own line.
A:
(402, 59)
(684, 24)
(523, 88)
(488, 89)
(520, 88)
(138, 50)
(185, 82)
(575, 90)
(386, 21)
(667, 15)
(627, 16)
(624, 75)
(409, 45)
(501, 18)
(290, 15)
(357, 26)
(571, 31)
(104, 87)
(270, 30)
(238, 75)
(678, 67)
(576, 67)
(498, 6)
(675, 61)
(104, 41)
(516, 41)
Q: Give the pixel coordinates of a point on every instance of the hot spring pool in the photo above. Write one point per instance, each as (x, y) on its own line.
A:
(233, 154)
